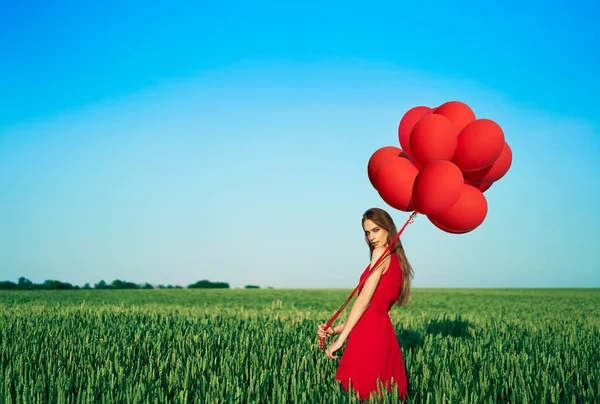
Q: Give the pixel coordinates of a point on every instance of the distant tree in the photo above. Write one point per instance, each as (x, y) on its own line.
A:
(8, 285)
(102, 285)
(37, 286)
(206, 284)
(52, 284)
(252, 287)
(119, 284)
(65, 285)
(24, 283)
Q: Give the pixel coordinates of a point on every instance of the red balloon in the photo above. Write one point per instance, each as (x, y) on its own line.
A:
(482, 187)
(380, 156)
(408, 121)
(437, 187)
(459, 113)
(479, 144)
(495, 171)
(439, 226)
(395, 179)
(466, 214)
(432, 138)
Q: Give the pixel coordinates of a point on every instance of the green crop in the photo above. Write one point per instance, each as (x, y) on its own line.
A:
(260, 346)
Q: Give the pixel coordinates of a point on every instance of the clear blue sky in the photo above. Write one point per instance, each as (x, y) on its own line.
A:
(229, 141)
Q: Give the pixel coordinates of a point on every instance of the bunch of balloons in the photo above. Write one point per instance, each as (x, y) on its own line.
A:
(447, 159)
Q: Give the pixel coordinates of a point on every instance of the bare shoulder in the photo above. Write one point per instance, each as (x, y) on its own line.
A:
(377, 253)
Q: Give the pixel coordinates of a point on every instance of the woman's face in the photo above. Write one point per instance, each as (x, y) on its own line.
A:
(377, 236)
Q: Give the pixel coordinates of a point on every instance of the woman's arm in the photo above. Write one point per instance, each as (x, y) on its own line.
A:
(331, 330)
(339, 328)
(364, 298)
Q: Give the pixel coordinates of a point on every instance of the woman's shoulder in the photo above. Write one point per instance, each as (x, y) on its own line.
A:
(378, 252)
(376, 256)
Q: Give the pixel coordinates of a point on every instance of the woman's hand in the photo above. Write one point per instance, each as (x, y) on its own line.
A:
(332, 348)
(322, 333)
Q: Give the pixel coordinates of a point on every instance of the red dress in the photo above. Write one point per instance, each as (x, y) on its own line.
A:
(372, 354)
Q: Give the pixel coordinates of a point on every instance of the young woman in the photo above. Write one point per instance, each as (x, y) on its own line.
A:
(372, 360)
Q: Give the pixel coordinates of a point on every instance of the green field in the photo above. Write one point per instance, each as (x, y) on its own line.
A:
(260, 346)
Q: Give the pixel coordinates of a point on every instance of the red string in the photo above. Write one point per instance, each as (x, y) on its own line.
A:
(377, 263)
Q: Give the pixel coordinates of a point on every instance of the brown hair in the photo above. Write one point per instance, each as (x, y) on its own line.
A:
(382, 219)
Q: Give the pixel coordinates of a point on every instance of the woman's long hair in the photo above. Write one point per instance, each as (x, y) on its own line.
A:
(382, 219)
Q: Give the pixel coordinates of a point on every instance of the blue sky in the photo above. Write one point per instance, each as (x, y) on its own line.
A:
(168, 144)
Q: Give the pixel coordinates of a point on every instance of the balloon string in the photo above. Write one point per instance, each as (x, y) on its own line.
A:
(410, 219)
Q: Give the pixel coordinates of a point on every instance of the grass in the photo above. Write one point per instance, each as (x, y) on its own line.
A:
(259, 345)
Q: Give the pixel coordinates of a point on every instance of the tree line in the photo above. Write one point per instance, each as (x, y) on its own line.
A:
(51, 284)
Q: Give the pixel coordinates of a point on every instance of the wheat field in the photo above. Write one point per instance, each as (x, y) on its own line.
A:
(260, 346)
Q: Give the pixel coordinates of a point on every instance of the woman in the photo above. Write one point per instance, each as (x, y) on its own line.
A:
(372, 359)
